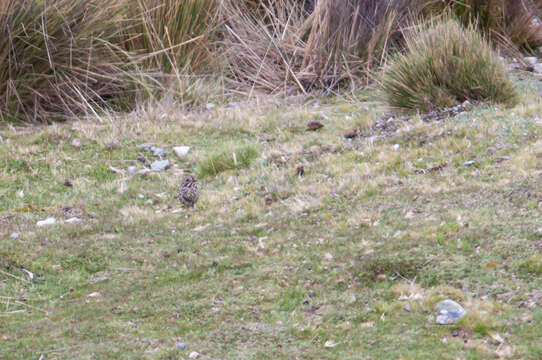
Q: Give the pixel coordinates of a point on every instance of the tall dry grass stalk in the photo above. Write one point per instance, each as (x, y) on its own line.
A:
(58, 58)
(505, 22)
(288, 45)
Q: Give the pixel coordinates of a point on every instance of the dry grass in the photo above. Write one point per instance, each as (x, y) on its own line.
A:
(57, 58)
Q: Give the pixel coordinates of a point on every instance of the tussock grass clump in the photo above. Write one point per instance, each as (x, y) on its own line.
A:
(240, 158)
(444, 65)
(58, 58)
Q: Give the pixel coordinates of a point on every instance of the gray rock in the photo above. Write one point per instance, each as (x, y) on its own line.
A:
(76, 143)
(210, 106)
(538, 68)
(160, 165)
(98, 279)
(132, 170)
(531, 60)
(181, 151)
(449, 312)
(14, 235)
(48, 221)
(469, 163)
(181, 346)
(193, 355)
(155, 150)
(149, 202)
(73, 220)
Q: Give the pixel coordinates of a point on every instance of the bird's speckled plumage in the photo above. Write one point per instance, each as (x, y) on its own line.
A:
(188, 191)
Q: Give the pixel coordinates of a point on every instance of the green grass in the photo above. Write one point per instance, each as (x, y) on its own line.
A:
(444, 65)
(271, 265)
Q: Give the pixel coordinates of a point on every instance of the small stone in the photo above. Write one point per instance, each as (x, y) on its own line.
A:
(449, 312)
(193, 355)
(181, 346)
(132, 170)
(396, 147)
(532, 60)
(210, 106)
(160, 165)
(407, 308)
(328, 257)
(1, 139)
(141, 196)
(314, 125)
(76, 143)
(306, 301)
(98, 279)
(14, 235)
(73, 220)
(538, 68)
(131, 325)
(48, 221)
(330, 344)
(181, 151)
(149, 202)
(233, 104)
(469, 163)
(445, 341)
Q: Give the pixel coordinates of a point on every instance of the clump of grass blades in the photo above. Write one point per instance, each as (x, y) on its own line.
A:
(506, 22)
(228, 160)
(173, 36)
(58, 58)
(173, 47)
(445, 64)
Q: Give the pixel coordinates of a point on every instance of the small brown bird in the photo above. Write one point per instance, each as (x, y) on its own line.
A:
(188, 191)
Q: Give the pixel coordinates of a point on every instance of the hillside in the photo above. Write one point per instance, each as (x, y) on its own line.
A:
(345, 261)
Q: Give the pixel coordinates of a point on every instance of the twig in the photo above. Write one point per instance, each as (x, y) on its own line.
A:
(15, 277)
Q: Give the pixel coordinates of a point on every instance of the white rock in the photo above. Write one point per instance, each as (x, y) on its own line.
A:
(181, 151)
(132, 170)
(14, 235)
(210, 106)
(538, 68)
(48, 221)
(531, 60)
(396, 147)
(73, 220)
(193, 355)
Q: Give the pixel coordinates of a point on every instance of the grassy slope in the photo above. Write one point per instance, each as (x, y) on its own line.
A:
(240, 288)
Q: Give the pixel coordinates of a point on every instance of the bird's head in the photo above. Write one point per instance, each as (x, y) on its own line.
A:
(188, 179)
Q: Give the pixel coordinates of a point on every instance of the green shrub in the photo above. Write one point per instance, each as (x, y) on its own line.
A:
(444, 65)
(228, 160)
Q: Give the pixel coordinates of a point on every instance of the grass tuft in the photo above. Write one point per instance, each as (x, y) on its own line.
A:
(444, 65)
(240, 158)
